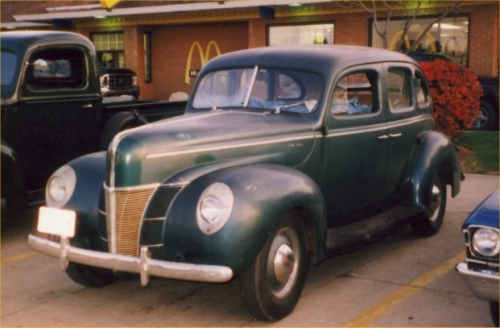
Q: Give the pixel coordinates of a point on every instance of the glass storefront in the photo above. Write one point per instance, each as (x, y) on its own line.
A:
(450, 36)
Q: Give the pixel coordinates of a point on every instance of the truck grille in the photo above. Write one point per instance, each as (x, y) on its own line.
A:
(117, 81)
(126, 217)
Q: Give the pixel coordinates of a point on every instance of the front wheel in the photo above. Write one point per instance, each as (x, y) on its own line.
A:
(494, 312)
(429, 224)
(271, 286)
(90, 276)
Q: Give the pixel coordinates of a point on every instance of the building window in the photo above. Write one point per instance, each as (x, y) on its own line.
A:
(110, 49)
(300, 34)
(147, 57)
(450, 36)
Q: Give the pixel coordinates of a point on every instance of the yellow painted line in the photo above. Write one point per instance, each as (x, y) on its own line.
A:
(19, 257)
(376, 311)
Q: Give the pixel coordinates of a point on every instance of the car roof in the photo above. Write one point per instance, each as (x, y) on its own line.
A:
(308, 57)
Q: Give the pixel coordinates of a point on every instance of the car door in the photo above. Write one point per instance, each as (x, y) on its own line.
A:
(58, 116)
(409, 113)
(355, 145)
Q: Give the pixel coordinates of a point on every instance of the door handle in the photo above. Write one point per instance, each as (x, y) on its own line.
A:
(395, 135)
(385, 136)
(88, 106)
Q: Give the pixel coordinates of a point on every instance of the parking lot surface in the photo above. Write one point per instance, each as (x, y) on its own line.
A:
(402, 280)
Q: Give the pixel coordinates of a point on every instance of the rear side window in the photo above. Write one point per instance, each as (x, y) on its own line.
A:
(57, 69)
(399, 83)
(421, 89)
(356, 94)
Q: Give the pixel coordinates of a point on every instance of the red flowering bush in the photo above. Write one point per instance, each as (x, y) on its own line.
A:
(455, 93)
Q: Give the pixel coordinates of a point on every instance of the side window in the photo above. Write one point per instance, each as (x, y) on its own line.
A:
(421, 89)
(356, 94)
(57, 68)
(399, 82)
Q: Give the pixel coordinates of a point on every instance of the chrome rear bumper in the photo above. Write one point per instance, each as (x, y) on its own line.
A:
(143, 264)
(484, 284)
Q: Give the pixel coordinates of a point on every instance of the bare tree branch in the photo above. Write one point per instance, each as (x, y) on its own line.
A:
(427, 29)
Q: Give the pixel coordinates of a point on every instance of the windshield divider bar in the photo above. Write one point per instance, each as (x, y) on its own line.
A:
(254, 76)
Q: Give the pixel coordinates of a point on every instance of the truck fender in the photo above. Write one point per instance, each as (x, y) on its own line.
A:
(263, 194)
(436, 154)
(119, 122)
(13, 184)
(90, 171)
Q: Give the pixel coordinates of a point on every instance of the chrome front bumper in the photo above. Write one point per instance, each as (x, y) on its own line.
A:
(143, 264)
(484, 284)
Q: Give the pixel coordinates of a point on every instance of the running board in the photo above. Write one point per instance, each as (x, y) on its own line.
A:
(347, 238)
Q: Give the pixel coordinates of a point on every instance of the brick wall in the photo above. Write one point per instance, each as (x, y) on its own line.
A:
(483, 40)
(170, 49)
(171, 44)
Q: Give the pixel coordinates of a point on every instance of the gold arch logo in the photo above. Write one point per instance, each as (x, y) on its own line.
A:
(203, 58)
(396, 37)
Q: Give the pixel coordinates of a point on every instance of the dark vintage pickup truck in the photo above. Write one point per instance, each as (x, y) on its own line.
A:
(285, 155)
(53, 109)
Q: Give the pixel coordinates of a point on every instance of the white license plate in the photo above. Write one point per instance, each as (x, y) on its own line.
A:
(56, 221)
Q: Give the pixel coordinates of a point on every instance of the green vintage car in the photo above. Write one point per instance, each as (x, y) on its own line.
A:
(284, 155)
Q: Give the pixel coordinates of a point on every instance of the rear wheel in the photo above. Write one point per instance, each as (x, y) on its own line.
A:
(429, 224)
(117, 123)
(90, 276)
(271, 286)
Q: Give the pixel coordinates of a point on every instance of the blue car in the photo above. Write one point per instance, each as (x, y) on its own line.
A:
(480, 270)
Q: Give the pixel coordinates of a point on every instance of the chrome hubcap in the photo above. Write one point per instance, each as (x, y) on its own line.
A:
(282, 264)
(435, 202)
(481, 119)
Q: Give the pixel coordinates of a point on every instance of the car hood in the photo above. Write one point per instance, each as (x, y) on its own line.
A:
(217, 139)
(487, 213)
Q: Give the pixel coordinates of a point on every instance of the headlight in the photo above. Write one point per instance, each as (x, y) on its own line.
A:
(60, 187)
(214, 208)
(485, 241)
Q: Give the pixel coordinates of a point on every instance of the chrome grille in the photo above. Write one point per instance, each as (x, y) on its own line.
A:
(124, 212)
(120, 80)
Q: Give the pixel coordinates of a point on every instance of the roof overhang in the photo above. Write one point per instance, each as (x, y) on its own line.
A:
(163, 9)
(18, 25)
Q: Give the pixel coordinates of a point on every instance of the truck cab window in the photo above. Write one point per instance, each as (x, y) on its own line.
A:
(57, 68)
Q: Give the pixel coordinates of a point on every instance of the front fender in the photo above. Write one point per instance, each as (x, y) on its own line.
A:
(436, 155)
(263, 193)
(13, 184)
(90, 173)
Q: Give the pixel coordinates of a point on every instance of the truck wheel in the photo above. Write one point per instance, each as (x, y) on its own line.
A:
(117, 123)
(486, 119)
(90, 276)
(271, 286)
(429, 225)
(494, 312)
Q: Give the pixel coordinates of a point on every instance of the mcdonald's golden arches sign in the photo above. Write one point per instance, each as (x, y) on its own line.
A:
(193, 72)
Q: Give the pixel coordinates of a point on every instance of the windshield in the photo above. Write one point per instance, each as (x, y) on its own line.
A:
(9, 62)
(275, 89)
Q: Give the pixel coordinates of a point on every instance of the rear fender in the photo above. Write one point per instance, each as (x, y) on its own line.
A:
(263, 193)
(436, 154)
